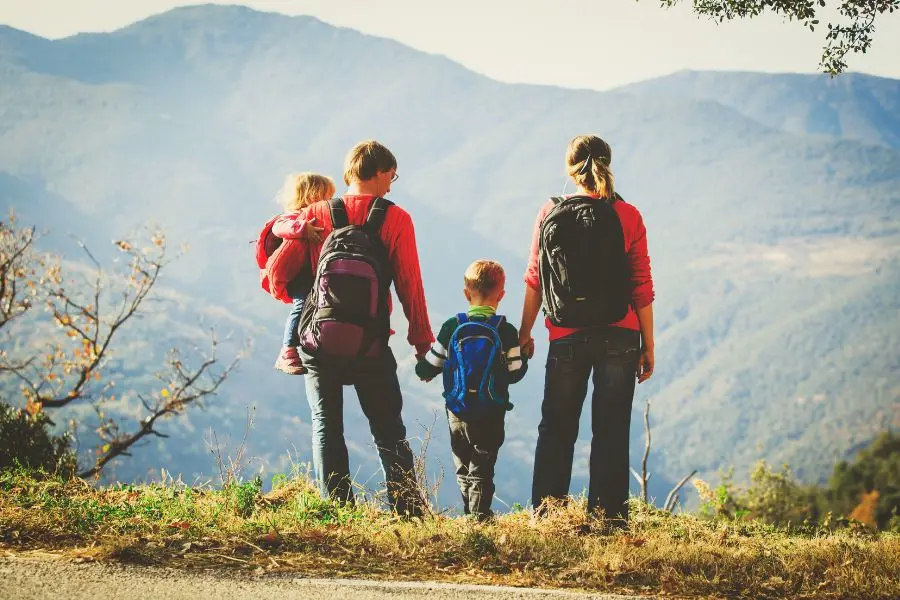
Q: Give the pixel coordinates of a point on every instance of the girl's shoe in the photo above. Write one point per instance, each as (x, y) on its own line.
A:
(289, 361)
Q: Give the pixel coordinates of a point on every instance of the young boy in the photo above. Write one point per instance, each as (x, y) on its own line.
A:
(478, 353)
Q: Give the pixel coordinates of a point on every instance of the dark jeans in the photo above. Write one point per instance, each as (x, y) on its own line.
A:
(379, 394)
(291, 338)
(475, 444)
(612, 355)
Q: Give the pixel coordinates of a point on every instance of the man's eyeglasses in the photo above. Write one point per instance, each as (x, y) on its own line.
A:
(395, 177)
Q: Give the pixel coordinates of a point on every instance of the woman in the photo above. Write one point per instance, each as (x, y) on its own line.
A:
(615, 349)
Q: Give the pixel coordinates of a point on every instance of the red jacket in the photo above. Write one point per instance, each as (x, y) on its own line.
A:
(398, 236)
(269, 259)
(635, 246)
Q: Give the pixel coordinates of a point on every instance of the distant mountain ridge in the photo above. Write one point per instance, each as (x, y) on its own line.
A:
(772, 228)
(864, 108)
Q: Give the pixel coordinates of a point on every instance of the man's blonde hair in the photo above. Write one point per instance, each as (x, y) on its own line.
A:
(366, 160)
(484, 277)
(302, 189)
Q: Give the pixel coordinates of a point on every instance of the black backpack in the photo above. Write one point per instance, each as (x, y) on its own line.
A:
(346, 312)
(584, 269)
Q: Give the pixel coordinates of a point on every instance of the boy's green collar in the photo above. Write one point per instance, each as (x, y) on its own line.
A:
(482, 311)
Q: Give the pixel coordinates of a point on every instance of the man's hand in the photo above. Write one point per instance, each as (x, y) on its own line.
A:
(422, 350)
(427, 379)
(526, 344)
(312, 233)
(645, 365)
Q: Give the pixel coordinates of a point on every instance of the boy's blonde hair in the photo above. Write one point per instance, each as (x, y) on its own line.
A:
(484, 277)
(302, 189)
(366, 160)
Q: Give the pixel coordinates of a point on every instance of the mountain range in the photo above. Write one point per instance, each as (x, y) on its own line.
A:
(770, 203)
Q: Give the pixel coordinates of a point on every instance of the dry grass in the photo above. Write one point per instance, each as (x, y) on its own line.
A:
(292, 529)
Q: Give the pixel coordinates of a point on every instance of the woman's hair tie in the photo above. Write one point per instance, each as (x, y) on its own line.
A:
(587, 161)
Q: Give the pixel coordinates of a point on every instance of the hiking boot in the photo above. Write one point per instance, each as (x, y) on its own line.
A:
(289, 362)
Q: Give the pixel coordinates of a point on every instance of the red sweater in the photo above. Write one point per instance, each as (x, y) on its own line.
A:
(399, 238)
(635, 246)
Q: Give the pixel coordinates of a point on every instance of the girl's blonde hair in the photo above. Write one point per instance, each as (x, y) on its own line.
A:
(302, 189)
(587, 162)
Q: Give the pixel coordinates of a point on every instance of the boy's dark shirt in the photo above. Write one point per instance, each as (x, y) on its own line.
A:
(432, 364)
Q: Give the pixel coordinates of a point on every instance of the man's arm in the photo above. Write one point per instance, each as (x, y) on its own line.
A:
(408, 283)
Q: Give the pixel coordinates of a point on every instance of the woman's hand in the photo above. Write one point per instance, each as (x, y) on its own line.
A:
(645, 364)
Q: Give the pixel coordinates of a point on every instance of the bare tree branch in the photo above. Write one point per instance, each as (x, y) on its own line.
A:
(18, 266)
(98, 332)
(644, 476)
(673, 495)
(186, 388)
(67, 372)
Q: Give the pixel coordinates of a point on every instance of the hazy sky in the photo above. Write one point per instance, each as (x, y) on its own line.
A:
(576, 43)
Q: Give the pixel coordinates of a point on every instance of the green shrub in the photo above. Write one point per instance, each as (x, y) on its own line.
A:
(245, 496)
(27, 442)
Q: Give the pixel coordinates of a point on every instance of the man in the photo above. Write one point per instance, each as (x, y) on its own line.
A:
(369, 170)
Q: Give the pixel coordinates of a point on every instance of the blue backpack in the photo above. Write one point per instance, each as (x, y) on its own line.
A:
(473, 356)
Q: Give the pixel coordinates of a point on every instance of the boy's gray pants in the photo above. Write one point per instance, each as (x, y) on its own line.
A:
(475, 444)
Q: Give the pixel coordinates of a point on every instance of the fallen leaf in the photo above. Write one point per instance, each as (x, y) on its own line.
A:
(181, 524)
(269, 539)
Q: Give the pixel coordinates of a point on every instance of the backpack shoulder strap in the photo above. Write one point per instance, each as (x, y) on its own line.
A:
(560, 200)
(338, 213)
(497, 321)
(462, 318)
(377, 214)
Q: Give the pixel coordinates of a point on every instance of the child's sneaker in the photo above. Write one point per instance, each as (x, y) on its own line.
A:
(289, 361)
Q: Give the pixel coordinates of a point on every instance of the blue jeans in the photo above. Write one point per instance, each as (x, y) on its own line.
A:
(291, 338)
(611, 354)
(378, 389)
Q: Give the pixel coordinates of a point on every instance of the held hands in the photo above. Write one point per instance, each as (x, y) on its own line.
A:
(645, 365)
(526, 343)
(422, 350)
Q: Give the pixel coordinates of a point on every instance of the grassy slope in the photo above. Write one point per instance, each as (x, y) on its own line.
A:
(292, 529)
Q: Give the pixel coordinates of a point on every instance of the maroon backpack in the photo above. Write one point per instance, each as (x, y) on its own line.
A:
(346, 313)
